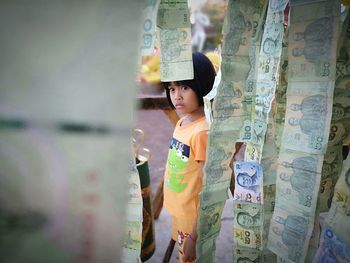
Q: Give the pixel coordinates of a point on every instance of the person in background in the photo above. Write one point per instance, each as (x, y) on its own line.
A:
(187, 153)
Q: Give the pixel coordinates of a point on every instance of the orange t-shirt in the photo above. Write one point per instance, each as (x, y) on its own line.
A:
(183, 173)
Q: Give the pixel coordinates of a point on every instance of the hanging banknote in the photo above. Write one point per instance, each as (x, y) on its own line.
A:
(133, 224)
(248, 225)
(249, 182)
(148, 31)
(298, 178)
(338, 218)
(290, 233)
(174, 34)
(332, 249)
(331, 168)
(231, 110)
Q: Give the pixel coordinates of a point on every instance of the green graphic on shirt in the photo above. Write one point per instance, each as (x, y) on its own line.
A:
(177, 162)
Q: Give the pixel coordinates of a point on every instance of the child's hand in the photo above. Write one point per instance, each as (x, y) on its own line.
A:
(189, 250)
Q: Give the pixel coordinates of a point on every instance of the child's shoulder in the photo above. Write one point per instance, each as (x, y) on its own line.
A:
(203, 124)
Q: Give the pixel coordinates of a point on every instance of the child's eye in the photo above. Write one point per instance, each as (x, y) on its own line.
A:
(185, 87)
(171, 89)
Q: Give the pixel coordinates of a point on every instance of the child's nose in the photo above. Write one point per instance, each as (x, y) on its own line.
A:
(178, 94)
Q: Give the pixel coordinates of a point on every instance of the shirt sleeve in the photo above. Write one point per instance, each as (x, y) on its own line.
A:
(200, 141)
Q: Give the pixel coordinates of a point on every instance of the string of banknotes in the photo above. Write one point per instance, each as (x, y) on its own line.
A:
(133, 223)
(231, 116)
(275, 95)
(174, 36)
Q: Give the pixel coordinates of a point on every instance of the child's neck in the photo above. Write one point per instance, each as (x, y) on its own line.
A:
(193, 116)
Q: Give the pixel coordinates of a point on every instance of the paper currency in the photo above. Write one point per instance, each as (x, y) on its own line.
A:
(271, 45)
(133, 224)
(332, 162)
(205, 250)
(338, 217)
(133, 231)
(250, 238)
(207, 99)
(331, 168)
(341, 105)
(233, 104)
(332, 249)
(298, 178)
(241, 255)
(148, 32)
(225, 107)
(210, 220)
(308, 116)
(277, 5)
(238, 34)
(210, 197)
(325, 8)
(265, 94)
(270, 153)
(312, 47)
(247, 255)
(289, 234)
(339, 132)
(249, 182)
(314, 240)
(174, 34)
(235, 66)
(269, 198)
(248, 216)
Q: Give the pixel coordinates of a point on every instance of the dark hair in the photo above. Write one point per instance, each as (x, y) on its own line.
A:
(202, 83)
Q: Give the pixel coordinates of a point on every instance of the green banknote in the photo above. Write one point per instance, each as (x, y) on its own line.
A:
(247, 255)
(249, 216)
(270, 153)
(313, 10)
(211, 196)
(312, 47)
(289, 233)
(341, 104)
(269, 198)
(132, 235)
(176, 54)
(148, 31)
(332, 162)
(307, 119)
(252, 153)
(235, 68)
(242, 255)
(242, 26)
(331, 168)
(339, 132)
(248, 238)
(216, 176)
(209, 221)
(276, 6)
(265, 93)
(271, 47)
(205, 250)
(314, 240)
(173, 14)
(174, 35)
(338, 217)
(298, 178)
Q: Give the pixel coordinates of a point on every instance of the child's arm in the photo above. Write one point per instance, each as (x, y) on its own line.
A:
(189, 249)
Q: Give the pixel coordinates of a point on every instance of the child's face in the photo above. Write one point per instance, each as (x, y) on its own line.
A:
(183, 98)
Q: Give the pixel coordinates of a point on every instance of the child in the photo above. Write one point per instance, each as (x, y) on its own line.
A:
(184, 169)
